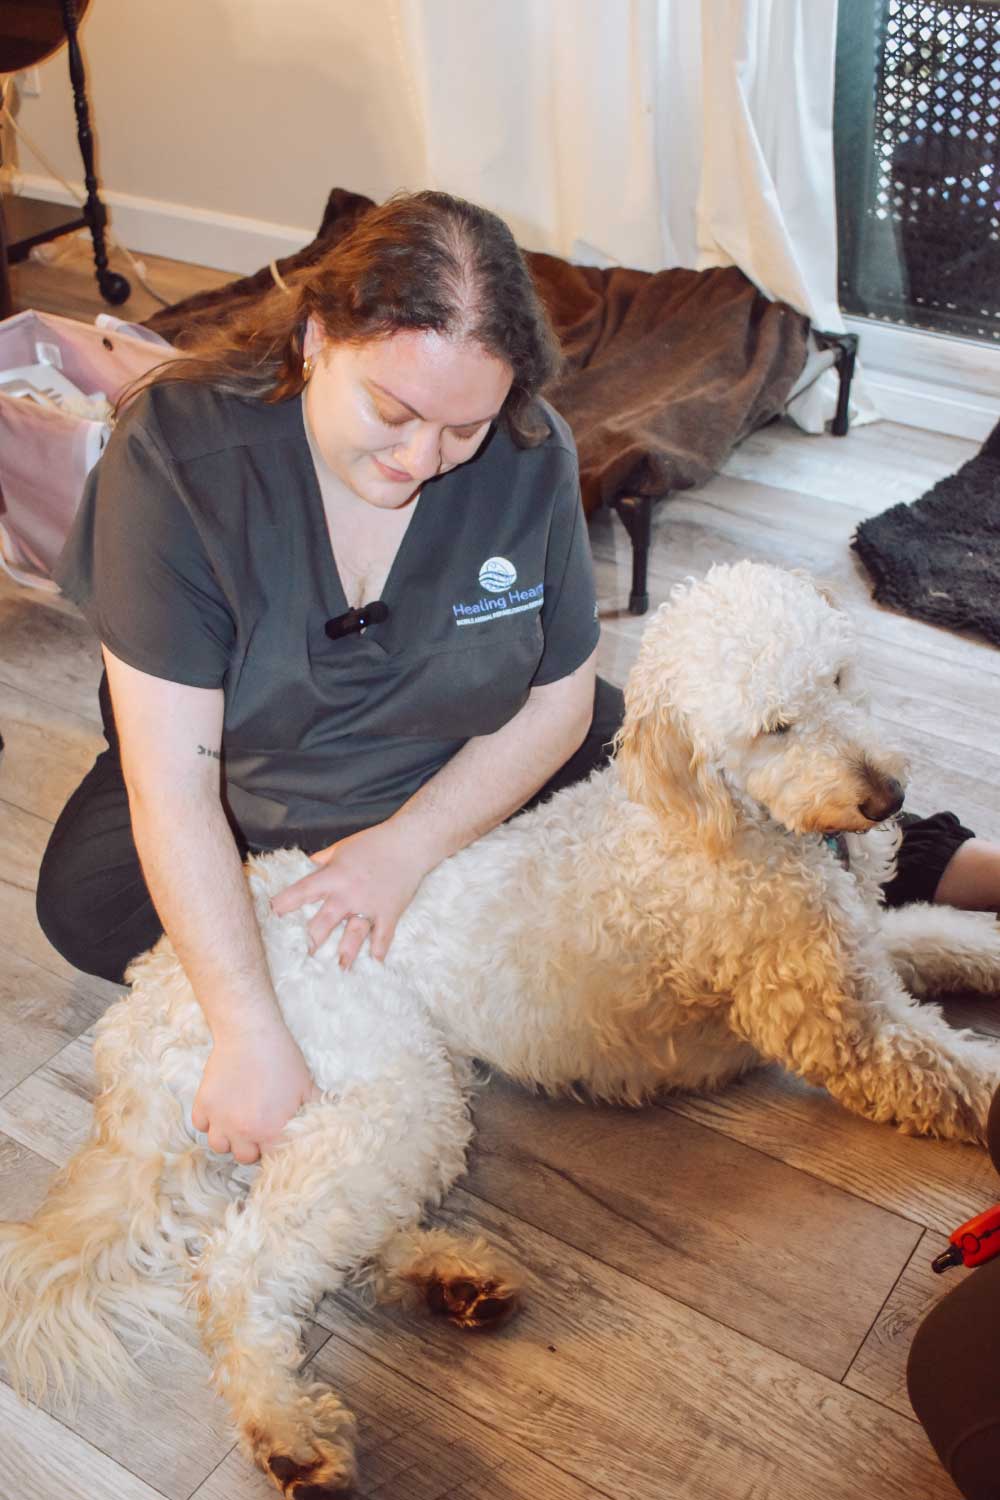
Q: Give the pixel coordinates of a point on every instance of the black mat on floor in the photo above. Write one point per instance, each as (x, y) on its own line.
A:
(938, 559)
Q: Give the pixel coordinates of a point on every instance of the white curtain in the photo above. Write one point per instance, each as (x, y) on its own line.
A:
(543, 110)
(647, 133)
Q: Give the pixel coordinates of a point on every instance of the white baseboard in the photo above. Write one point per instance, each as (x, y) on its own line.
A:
(930, 380)
(228, 242)
(916, 403)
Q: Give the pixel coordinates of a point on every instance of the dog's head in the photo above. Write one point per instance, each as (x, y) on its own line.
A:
(745, 686)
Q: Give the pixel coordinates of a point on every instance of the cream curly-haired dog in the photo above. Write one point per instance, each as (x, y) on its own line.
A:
(668, 924)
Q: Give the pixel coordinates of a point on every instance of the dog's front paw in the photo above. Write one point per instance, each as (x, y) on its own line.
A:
(464, 1280)
(472, 1303)
(307, 1451)
(328, 1476)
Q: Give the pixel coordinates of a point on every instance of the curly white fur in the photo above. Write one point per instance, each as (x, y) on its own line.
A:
(668, 924)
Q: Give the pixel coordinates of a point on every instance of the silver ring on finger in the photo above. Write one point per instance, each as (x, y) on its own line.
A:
(362, 916)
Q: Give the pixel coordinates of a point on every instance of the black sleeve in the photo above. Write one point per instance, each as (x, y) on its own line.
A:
(569, 613)
(136, 566)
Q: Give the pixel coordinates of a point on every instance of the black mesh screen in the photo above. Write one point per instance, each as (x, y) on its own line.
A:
(918, 125)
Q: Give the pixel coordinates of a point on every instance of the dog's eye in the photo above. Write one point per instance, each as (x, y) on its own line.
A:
(782, 727)
(838, 679)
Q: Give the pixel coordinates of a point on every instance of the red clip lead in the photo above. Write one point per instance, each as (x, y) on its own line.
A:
(972, 1243)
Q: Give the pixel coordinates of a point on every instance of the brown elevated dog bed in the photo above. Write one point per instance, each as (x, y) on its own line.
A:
(664, 372)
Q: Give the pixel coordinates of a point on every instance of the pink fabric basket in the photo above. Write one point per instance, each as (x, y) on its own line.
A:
(45, 455)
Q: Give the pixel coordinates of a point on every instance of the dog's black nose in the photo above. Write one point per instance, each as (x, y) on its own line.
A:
(883, 803)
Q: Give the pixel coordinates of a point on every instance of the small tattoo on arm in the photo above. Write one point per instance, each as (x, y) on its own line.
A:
(203, 750)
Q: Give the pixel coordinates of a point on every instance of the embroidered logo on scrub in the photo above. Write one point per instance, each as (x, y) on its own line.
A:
(498, 575)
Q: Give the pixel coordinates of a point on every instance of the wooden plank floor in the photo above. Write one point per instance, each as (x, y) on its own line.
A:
(722, 1290)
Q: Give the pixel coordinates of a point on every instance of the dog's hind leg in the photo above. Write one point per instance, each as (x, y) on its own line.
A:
(347, 1173)
(105, 1254)
(68, 1282)
(935, 949)
(876, 1049)
(464, 1280)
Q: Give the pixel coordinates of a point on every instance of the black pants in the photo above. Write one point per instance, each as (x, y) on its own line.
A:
(954, 1371)
(92, 901)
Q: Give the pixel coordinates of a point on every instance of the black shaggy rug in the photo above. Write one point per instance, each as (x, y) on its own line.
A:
(938, 559)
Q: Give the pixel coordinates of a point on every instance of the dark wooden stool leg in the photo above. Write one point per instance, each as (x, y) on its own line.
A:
(114, 288)
(636, 512)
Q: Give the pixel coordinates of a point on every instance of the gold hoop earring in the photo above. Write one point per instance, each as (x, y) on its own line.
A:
(307, 368)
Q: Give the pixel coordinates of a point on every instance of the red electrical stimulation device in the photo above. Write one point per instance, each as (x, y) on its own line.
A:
(972, 1243)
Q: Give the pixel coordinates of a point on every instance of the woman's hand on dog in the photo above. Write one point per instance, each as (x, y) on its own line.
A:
(367, 880)
(253, 1083)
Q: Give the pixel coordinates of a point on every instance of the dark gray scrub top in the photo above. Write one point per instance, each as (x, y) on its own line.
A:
(200, 554)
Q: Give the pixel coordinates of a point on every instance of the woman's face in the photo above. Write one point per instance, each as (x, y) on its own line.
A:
(390, 414)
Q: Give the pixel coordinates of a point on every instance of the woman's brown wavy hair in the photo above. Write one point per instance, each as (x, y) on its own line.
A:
(418, 261)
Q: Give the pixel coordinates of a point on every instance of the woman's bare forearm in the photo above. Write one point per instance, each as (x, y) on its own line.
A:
(368, 880)
(494, 775)
(170, 734)
(195, 877)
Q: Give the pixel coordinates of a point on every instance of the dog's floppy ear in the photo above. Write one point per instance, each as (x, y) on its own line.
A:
(661, 769)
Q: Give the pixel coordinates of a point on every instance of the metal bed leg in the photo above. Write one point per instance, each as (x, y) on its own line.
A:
(636, 512)
(845, 358)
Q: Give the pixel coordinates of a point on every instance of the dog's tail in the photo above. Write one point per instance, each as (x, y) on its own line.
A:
(97, 1264)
